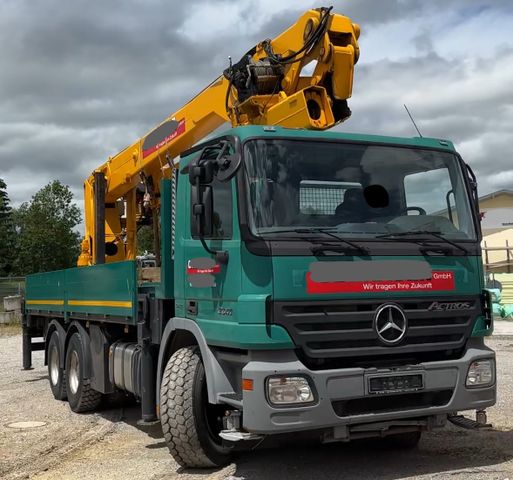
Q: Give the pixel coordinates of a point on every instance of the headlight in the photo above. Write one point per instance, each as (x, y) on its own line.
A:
(289, 391)
(481, 373)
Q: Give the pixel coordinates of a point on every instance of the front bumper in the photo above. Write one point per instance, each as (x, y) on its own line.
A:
(444, 393)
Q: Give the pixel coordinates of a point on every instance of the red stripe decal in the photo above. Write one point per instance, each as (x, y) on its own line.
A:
(440, 281)
(179, 130)
(201, 271)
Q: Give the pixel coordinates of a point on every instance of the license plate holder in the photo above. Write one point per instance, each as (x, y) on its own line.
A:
(395, 383)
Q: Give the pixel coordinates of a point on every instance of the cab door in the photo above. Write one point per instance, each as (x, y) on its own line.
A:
(211, 286)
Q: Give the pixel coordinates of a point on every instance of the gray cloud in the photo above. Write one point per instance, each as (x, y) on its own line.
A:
(80, 80)
(370, 12)
(423, 42)
(467, 101)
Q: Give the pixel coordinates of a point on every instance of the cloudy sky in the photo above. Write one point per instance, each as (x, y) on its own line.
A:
(81, 79)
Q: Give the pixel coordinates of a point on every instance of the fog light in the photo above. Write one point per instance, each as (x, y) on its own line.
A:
(481, 373)
(289, 391)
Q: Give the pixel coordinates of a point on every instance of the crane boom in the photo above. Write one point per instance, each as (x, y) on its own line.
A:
(264, 88)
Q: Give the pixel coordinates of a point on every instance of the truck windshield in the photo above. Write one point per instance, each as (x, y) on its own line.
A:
(361, 191)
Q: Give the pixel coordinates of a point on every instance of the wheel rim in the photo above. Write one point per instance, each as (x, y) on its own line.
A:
(74, 372)
(214, 420)
(54, 365)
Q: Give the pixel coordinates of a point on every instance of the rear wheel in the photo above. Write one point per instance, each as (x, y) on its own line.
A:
(81, 397)
(191, 425)
(56, 374)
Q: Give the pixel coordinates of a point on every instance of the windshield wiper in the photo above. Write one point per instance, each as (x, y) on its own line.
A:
(327, 231)
(323, 247)
(437, 235)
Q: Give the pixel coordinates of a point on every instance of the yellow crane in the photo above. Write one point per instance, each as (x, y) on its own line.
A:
(266, 87)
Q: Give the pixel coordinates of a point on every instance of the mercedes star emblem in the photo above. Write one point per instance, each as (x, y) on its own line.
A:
(390, 323)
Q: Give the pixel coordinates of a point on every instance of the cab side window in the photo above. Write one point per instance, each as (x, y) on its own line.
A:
(222, 211)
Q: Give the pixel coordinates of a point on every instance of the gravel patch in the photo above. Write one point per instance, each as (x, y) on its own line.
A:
(109, 444)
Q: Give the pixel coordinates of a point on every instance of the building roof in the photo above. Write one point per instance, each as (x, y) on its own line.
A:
(496, 194)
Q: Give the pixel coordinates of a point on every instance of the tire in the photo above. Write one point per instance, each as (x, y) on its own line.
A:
(56, 374)
(189, 422)
(81, 397)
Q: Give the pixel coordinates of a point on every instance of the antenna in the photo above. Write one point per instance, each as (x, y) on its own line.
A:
(412, 121)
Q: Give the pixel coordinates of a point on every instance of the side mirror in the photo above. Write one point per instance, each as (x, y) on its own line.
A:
(201, 171)
(202, 208)
(473, 186)
(228, 165)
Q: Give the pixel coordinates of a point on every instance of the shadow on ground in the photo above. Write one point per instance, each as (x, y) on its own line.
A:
(442, 452)
(37, 379)
(447, 450)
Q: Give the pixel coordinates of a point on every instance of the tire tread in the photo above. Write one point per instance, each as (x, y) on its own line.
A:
(176, 404)
(59, 391)
(88, 399)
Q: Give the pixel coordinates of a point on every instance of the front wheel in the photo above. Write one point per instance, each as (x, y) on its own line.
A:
(191, 425)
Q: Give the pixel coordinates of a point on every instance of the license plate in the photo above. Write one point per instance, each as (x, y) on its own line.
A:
(396, 383)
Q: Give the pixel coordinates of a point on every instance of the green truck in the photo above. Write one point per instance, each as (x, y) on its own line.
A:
(309, 281)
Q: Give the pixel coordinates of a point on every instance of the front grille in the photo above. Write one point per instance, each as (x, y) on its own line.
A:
(391, 403)
(345, 329)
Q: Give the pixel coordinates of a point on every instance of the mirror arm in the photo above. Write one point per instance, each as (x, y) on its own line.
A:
(222, 150)
(221, 256)
(205, 246)
(473, 185)
(448, 202)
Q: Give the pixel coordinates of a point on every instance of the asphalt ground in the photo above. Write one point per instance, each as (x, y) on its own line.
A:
(110, 445)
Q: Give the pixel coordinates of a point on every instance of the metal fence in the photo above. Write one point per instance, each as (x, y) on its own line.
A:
(498, 259)
(10, 286)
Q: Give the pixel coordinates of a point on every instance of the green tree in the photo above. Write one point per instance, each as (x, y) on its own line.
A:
(7, 233)
(46, 236)
(145, 240)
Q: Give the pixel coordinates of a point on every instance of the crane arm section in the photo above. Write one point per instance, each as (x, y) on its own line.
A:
(266, 87)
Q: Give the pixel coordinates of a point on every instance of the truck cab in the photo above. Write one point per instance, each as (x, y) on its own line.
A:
(348, 278)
